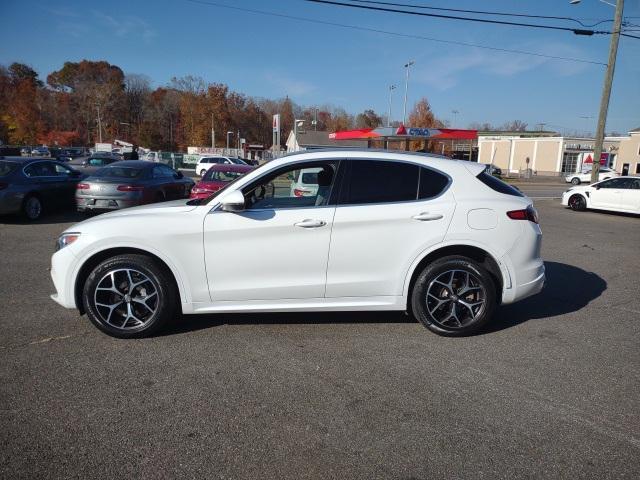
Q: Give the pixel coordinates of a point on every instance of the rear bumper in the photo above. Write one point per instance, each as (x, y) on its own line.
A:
(101, 203)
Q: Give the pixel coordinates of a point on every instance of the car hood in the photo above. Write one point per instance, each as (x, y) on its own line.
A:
(162, 208)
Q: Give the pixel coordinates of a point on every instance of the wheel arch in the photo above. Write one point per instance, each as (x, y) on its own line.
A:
(98, 257)
(476, 253)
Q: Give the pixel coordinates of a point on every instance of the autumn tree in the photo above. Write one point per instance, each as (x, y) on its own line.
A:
(368, 119)
(21, 111)
(514, 126)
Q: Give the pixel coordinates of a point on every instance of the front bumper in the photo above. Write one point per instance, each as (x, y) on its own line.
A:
(62, 267)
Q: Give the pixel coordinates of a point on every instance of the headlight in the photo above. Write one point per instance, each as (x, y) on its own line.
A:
(66, 239)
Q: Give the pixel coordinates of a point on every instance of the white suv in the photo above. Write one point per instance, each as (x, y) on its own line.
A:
(205, 163)
(438, 238)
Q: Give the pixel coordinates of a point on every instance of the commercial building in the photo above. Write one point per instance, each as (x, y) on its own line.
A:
(629, 154)
(542, 153)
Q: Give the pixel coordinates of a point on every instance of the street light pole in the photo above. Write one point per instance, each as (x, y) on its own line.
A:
(99, 122)
(391, 89)
(228, 133)
(406, 88)
(606, 90)
(213, 133)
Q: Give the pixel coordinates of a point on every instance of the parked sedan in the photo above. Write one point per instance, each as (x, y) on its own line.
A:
(206, 162)
(218, 177)
(33, 185)
(40, 152)
(585, 176)
(130, 183)
(621, 194)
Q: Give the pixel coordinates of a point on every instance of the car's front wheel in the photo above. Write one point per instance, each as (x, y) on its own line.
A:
(577, 203)
(575, 181)
(130, 296)
(454, 296)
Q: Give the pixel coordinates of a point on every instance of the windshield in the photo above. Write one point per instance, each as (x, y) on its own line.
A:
(119, 172)
(220, 176)
(6, 168)
(238, 161)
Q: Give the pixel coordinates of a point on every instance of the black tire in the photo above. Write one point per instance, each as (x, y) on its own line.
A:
(465, 315)
(120, 321)
(575, 181)
(32, 207)
(577, 203)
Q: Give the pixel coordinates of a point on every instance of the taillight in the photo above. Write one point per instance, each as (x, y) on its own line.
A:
(83, 186)
(130, 188)
(528, 213)
(300, 193)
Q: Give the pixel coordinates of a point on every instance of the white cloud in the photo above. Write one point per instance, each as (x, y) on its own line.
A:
(444, 72)
(126, 25)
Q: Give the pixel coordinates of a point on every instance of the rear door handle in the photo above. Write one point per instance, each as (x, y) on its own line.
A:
(426, 216)
(310, 223)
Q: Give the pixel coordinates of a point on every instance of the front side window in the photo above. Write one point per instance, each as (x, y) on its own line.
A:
(613, 183)
(283, 190)
(378, 181)
(40, 169)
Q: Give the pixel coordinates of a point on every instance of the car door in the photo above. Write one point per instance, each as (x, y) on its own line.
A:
(631, 195)
(277, 248)
(43, 179)
(67, 182)
(607, 194)
(387, 214)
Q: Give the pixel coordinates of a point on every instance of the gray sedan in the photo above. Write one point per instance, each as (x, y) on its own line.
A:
(130, 183)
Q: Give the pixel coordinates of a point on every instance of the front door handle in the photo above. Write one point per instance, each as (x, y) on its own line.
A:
(310, 223)
(426, 216)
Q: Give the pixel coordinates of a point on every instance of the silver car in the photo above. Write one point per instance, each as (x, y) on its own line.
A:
(130, 183)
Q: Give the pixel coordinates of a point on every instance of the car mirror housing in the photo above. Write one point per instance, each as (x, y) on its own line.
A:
(233, 202)
(179, 174)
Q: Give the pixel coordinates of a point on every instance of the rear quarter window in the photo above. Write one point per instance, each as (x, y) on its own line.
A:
(6, 168)
(498, 185)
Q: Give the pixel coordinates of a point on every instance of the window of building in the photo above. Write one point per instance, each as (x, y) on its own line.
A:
(570, 162)
(637, 168)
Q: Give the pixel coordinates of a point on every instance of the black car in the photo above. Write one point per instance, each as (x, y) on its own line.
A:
(94, 162)
(32, 186)
(69, 153)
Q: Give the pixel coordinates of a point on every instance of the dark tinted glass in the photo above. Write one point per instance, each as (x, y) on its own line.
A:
(119, 172)
(373, 181)
(498, 185)
(6, 168)
(432, 183)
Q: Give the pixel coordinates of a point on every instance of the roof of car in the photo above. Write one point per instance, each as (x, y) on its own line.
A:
(28, 159)
(231, 167)
(133, 164)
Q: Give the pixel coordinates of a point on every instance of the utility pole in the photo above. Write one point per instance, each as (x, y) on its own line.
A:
(606, 90)
(391, 89)
(99, 123)
(406, 88)
(213, 133)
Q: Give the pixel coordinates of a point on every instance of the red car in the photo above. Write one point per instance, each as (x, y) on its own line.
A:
(217, 177)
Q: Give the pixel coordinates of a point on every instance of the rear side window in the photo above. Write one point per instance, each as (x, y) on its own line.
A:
(498, 185)
(432, 183)
(375, 181)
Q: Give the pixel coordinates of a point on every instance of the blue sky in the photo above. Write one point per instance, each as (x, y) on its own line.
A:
(317, 64)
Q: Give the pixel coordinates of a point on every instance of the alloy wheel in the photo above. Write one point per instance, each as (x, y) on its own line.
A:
(126, 299)
(455, 298)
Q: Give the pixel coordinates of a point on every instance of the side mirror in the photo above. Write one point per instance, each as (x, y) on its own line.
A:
(179, 174)
(233, 202)
(597, 186)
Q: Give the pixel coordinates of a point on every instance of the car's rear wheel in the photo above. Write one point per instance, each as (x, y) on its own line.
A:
(454, 296)
(130, 296)
(202, 172)
(32, 207)
(575, 181)
(577, 203)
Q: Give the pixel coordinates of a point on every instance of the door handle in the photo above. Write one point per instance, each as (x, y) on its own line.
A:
(310, 223)
(426, 216)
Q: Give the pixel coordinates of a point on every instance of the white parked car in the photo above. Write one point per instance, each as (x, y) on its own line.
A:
(585, 177)
(438, 238)
(620, 194)
(206, 162)
(305, 184)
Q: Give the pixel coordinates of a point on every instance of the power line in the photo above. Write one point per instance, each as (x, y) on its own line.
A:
(453, 17)
(395, 34)
(480, 12)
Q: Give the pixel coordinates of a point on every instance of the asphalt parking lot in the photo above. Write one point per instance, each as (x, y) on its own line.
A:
(551, 390)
